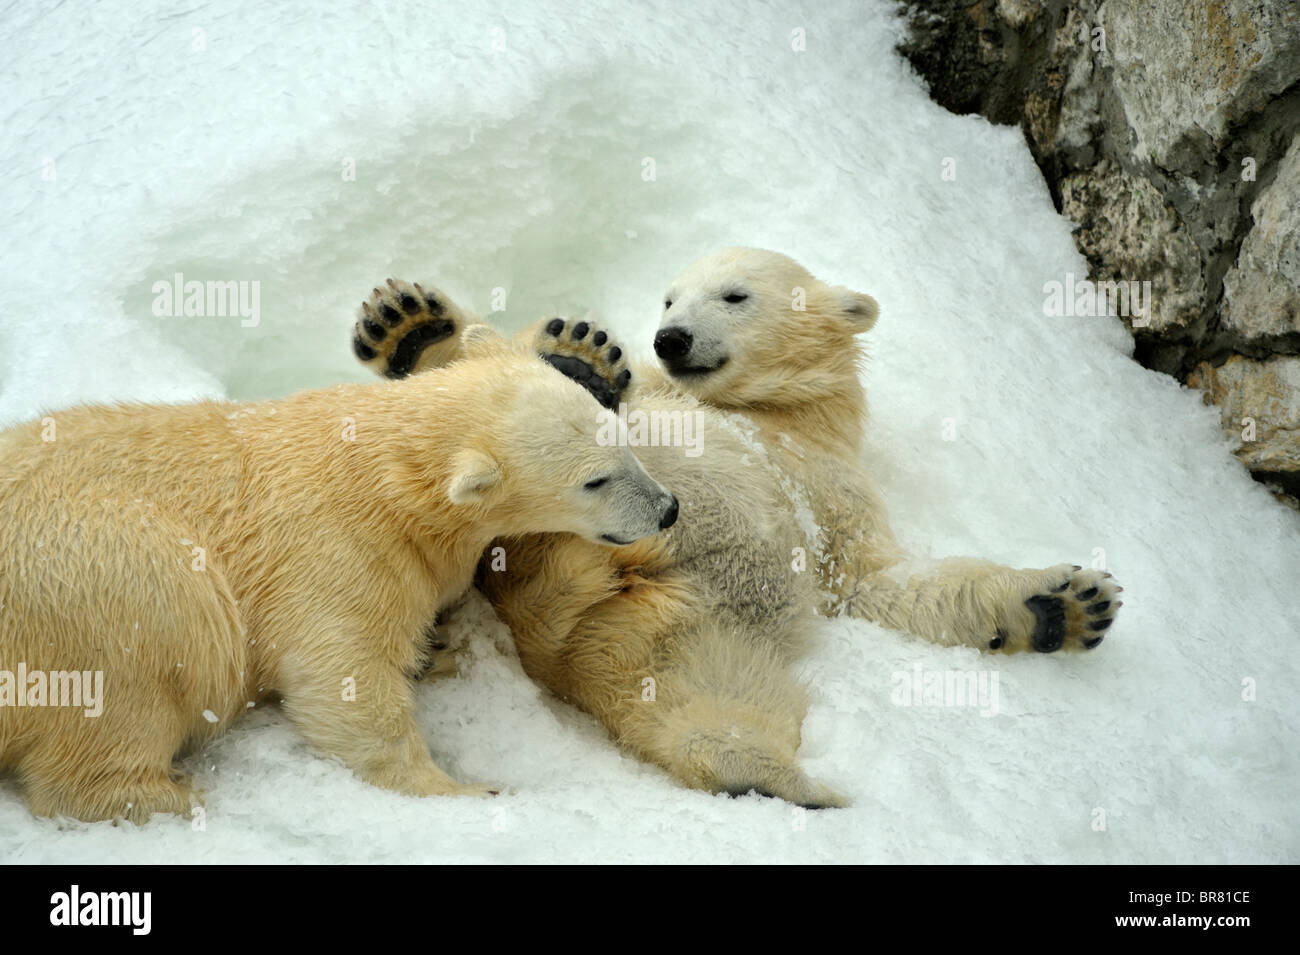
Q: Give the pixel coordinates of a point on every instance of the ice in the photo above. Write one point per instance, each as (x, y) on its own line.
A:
(507, 151)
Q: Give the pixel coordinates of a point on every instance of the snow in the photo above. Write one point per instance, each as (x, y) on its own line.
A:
(497, 150)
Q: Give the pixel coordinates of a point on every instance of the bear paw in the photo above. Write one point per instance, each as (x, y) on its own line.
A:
(402, 328)
(1072, 610)
(585, 353)
(439, 654)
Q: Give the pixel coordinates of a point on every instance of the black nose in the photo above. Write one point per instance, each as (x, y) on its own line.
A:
(670, 516)
(672, 343)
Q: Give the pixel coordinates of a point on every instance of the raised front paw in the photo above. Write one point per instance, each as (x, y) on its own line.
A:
(403, 328)
(1071, 610)
(585, 353)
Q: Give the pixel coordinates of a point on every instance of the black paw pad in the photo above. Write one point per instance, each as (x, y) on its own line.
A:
(433, 305)
(599, 339)
(1091, 644)
(555, 326)
(362, 350)
(410, 304)
(1100, 606)
(1049, 631)
(1087, 594)
(580, 331)
(391, 316)
(412, 346)
(376, 331)
(587, 376)
(623, 378)
(1099, 625)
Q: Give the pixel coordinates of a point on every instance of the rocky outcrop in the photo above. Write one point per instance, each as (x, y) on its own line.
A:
(1169, 132)
(1260, 406)
(1262, 290)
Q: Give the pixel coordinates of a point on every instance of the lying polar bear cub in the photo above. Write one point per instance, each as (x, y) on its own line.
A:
(685, 645)
(205, 556)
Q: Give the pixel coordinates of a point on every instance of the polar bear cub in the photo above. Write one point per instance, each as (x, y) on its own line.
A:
(203, 557)
(783, 519)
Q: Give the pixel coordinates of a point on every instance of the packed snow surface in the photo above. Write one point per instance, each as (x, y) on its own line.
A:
(317, 149)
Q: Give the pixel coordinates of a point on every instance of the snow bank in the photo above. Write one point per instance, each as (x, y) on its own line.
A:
(496, 150)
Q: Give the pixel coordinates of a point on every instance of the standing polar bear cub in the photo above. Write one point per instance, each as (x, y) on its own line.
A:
(202, 557)
(684, 645)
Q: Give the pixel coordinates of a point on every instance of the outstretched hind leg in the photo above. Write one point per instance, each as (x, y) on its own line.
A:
(717, 707)
(980, 604)
(727, 718)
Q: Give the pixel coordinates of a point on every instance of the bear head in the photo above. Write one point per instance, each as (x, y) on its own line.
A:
(538, 463)
(748, 328)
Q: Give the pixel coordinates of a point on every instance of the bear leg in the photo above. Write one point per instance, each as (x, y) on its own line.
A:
(106, 783)
(617, 633)
(112, 596)
(714, 704)
(727, 717)
(371, 730)
(967, 602)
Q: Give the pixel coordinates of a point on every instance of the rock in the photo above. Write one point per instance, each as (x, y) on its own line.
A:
(1169, 132)
(1186, 71)
(1128, 232)
(1262, 291)
(1259, 404)
(957, 45)
(1020, 12)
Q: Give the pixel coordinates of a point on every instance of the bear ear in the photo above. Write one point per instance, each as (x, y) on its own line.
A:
(473, 475)
(860, 309)
(481, 341)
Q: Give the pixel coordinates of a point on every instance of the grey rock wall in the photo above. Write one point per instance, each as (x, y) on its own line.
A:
(1168, 131)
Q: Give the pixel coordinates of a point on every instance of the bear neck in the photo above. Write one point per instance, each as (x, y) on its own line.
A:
(831, 423)
(822, 406)
(406, 442)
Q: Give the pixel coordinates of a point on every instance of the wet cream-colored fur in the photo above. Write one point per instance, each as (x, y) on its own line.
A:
(683, 645)
(207, 556)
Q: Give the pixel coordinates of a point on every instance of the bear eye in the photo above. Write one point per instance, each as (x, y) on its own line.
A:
(595, 483)
(668, 303)
(736, 297)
